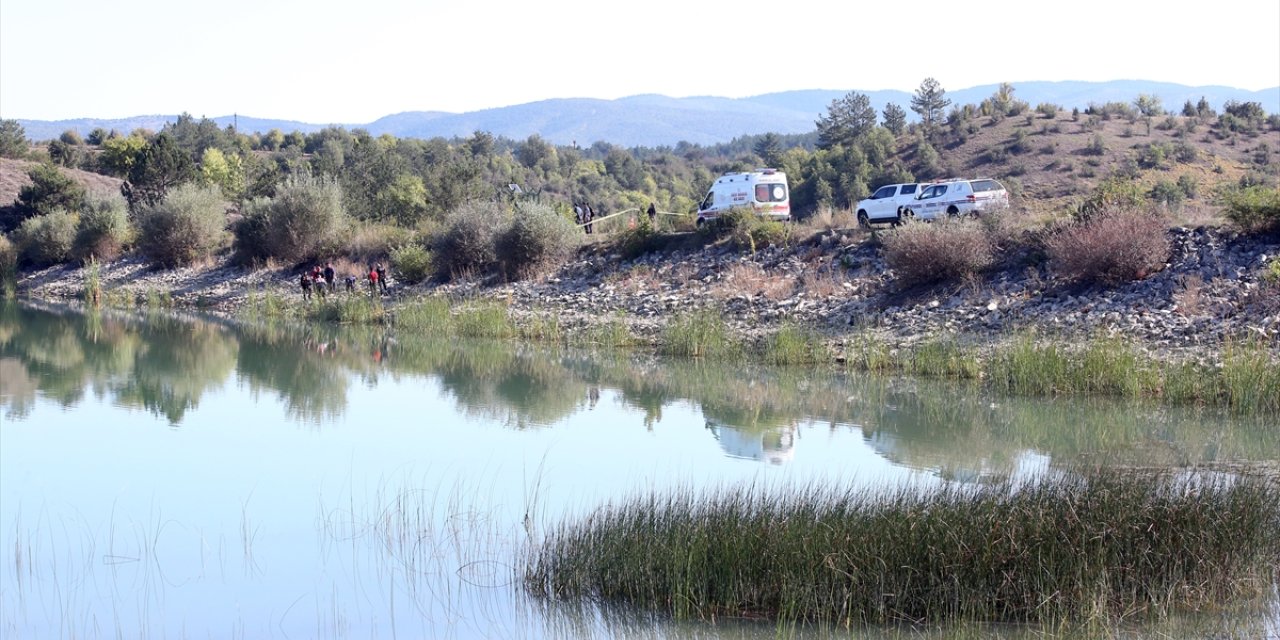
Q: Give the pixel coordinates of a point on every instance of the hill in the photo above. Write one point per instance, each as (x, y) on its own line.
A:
(654, 120)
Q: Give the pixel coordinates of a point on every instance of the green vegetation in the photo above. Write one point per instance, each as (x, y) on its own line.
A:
(187, 225)
(411, 263)
(46, 239)
(103, 231)
(1099, 546)
(304, 217)
(793, 345)
(537, 237)
(1254, 208)
(8, 268)
(698, 334)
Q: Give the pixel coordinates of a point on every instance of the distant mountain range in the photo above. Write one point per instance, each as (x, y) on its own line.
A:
(653, 120)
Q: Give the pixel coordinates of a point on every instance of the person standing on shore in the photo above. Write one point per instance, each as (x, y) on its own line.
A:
(328, 274)
(588, 215)
(305, 283)
(382, 277)
(653, 214)
(373, 280)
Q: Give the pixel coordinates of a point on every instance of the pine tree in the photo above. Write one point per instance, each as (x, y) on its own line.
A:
(930, 102)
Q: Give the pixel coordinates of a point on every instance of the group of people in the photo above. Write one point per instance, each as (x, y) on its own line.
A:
(321, 279)
(583, 215)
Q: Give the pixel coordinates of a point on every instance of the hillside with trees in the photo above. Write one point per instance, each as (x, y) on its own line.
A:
(392, 191)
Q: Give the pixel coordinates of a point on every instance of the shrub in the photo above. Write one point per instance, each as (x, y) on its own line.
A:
(537, 237)
(748, 230)
(1254, 208)
(944, 251)
(188, 224)
(411, 263)
(305, 216)
(46, 239)
(1113, 193)
(103, 231)
(468, 240)
(1114, 245)
(1166, 192)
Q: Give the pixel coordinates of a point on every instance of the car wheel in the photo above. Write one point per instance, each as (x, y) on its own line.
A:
(863, 221)
(700, 222)
(953, 211)
(904, 214)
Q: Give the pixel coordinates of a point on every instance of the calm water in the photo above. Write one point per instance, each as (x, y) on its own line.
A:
(177, 477)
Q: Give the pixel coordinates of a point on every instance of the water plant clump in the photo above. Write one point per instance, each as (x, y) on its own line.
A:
(1096, 547)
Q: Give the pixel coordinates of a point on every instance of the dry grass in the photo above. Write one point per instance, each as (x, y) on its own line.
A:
(751, 279)
(637, 279)
(823, 283)
(1188, 296)
(13, 177)
(828, 219)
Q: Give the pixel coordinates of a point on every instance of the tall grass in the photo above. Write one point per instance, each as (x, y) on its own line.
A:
(92, 283)
(484, 320)
(698, 334)
(348, 309)
(427, 315)
(1094, 547)
(792, 344)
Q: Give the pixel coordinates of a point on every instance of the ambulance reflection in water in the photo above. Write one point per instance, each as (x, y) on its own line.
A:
(774, 445)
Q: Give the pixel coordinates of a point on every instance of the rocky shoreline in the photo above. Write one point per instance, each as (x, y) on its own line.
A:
(1210, 292)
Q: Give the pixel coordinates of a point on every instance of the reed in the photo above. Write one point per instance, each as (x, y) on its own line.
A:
(698, 334)
(1090, 547)
(430, 315)
(792, 344)
(92, 284)
(348, 309)
(484, 320)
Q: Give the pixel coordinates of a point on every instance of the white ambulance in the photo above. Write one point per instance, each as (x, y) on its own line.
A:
(764, 190)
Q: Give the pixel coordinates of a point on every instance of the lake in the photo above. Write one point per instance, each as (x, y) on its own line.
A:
(175, 476)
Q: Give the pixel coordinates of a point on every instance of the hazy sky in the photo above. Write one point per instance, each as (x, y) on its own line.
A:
(322, 61)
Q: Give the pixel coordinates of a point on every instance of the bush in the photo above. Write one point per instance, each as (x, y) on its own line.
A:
(1167, 193)
(104, 231)
(1114, 245)
(1255, 208)
(188, 224)
(538, 237)
(468, 240)
(47, 239)
(305, 215)
(921, 253)
(411, 263)
(748, 230)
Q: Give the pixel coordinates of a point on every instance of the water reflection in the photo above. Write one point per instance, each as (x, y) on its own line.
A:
(166, 365)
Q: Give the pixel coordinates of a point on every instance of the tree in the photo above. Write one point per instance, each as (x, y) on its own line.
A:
(98, 136)
(119, 154)
(160, 166)
(769, 148)
(13, 140)
(930, 102)
(847, 120)
(895, 119)
(65, 154)
(223, 171)
(1148, 105)
(72, 137)
(50, 190)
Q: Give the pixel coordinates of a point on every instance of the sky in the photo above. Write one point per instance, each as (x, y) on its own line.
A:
(352, 62)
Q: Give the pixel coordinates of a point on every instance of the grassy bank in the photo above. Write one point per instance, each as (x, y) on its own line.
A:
(1071, 548)
(1246, 378)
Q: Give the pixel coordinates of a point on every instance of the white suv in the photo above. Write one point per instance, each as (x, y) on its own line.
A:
(957, 197)
(885, 205)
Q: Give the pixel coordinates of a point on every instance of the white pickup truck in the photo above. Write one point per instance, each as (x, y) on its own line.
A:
(886, 204)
